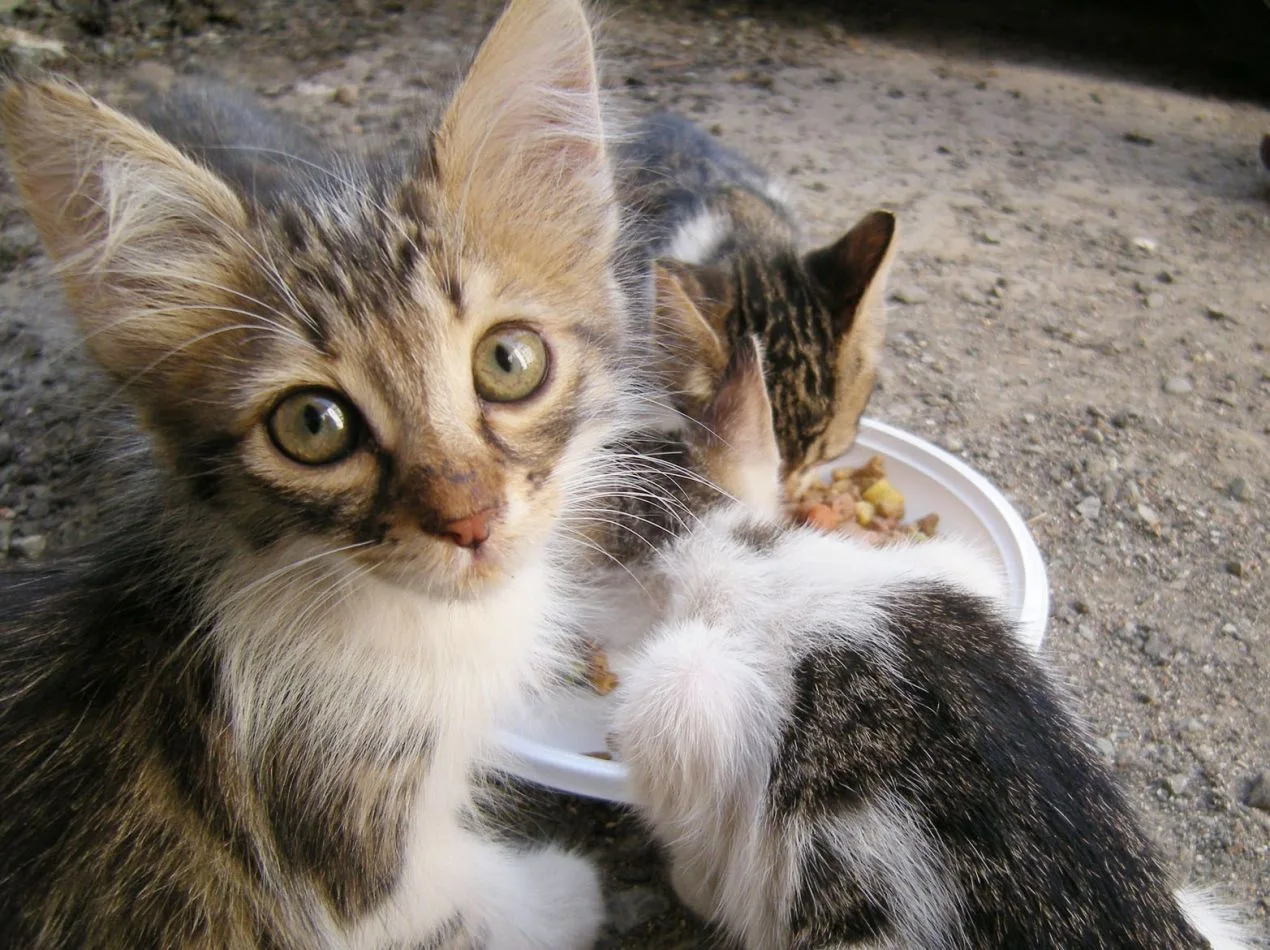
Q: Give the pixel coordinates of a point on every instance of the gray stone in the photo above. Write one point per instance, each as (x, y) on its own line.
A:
(1236, 568)
(36, 50)
(1147, 694)
(1157, 647)
(1178, 386)
(1259, 792)
(632, 908)
(1090, 507)
(954, 444)
(32, 546)
(1238, 489)
(1150, 517)
(1106, 748)
(1177, 784)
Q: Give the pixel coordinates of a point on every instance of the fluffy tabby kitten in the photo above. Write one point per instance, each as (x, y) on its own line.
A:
(845, 746)
(254, 717)
(723, 228)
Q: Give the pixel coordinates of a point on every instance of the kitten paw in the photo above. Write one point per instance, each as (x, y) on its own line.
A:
(563, 907)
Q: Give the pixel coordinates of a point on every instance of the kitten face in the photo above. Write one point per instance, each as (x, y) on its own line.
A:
(821, 321)
(410, 366)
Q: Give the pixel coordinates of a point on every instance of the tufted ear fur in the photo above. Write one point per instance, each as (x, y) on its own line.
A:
(145, 239)
(853, 272)
(521, 151)
(741, 453)
(692, 353)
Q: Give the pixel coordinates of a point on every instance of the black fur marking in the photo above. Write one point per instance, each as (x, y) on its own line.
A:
(761, 537)
(204, 467)
(970, 735)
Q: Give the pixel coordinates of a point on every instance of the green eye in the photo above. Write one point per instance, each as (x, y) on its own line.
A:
(314, 426)
(509, 364)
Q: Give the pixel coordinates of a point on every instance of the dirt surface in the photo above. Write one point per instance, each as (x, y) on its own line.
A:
(1081, 310)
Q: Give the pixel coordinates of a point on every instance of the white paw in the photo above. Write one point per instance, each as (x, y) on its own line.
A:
(563, 909)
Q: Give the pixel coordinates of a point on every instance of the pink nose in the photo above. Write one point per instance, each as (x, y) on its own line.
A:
(472, 531)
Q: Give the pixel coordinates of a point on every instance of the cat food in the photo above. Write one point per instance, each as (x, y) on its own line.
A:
(861, 501)
(592, 670)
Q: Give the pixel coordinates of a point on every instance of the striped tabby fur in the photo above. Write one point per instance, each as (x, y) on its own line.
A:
(723, 228)
(254, 716)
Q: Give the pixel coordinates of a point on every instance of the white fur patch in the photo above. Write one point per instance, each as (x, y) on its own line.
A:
(697, 238)
(885, 846)
(1215, 922)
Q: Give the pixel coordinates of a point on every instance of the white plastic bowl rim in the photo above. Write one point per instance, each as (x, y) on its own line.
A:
(994, 517)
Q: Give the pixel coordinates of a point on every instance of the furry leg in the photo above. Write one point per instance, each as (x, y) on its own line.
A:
(696, 722)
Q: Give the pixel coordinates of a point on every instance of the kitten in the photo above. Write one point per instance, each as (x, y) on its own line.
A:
(723, 228)
(371, 403)
(842, 746)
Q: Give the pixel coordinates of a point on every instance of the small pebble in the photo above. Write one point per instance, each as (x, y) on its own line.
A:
(32, 546)
(1191, 727)
(954, 444)
(1240, 490)
(1176, 784)
(1217, 313)
(1150, 517)
(1235, 567)
(1090, 507)
(6, 448)
(344, 95)
(1145, 244)
(1259, 792)
(1153, 301)
(990, 237)
(910, 295)
(1106, 748)
(1148, 694)
(1134, 137)
(1178, 386)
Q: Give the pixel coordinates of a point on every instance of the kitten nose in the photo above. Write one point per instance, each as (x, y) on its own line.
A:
(470, 532)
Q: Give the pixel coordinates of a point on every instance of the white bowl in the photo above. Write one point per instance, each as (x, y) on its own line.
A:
(548, 745)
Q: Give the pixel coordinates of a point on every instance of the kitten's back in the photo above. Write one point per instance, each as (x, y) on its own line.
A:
(227, 129)
(696, 200)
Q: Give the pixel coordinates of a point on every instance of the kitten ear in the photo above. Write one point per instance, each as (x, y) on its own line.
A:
(853, 273)
(742, 455)
(136, 229)
(692, 354)
(521, 147)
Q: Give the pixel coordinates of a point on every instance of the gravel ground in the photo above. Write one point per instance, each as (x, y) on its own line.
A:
(1081, 309)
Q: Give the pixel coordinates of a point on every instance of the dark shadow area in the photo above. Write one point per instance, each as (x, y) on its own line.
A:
(1217, 48)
